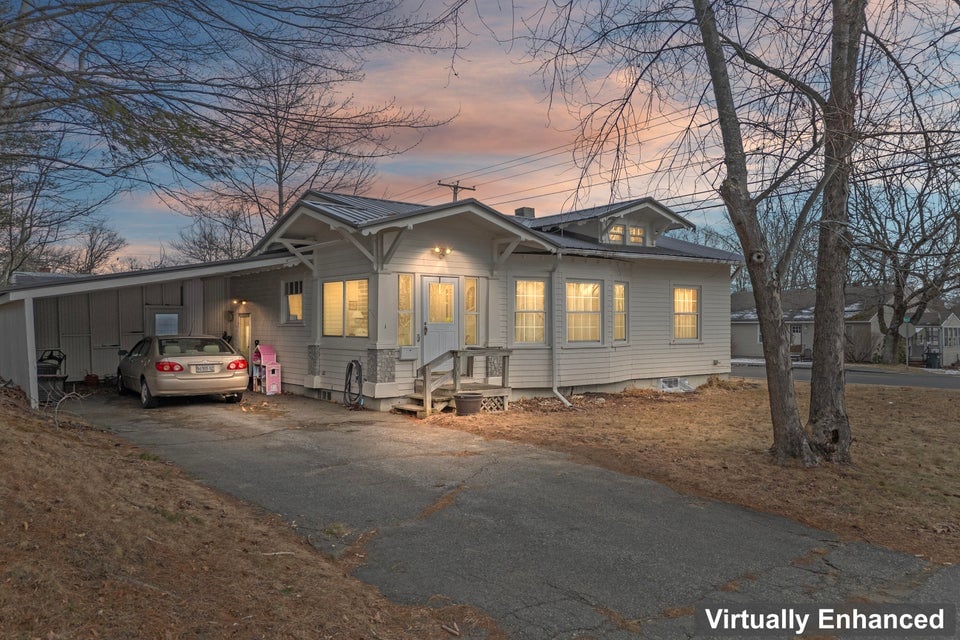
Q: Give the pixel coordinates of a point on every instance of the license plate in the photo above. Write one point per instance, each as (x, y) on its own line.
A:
(204, 368)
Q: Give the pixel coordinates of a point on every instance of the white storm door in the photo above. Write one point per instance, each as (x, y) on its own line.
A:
(441, 322)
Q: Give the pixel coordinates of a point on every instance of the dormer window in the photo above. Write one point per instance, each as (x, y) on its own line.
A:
(615, 234)
(636, 235)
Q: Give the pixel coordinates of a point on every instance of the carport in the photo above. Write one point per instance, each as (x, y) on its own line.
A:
(89, 318)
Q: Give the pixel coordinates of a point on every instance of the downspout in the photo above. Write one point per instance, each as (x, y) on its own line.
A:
(554, 365)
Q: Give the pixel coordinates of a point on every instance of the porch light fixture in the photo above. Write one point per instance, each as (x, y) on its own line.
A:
(442, 251)
(240, 302)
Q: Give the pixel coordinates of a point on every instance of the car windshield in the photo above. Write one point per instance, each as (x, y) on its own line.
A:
(193, 347)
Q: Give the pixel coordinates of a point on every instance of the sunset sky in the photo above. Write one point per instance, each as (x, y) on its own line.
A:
(505, 140)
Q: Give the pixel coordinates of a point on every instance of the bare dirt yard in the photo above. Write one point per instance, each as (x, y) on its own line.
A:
(903, 492)
(100, 540)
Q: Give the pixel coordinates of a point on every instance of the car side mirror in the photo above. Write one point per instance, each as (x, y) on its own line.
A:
(122, 352)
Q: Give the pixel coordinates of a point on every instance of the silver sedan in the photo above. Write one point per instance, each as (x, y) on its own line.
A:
(160, 366)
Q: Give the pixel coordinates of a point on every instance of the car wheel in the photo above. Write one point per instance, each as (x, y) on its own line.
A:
(121, 390)
(147, 401)
(234, 398)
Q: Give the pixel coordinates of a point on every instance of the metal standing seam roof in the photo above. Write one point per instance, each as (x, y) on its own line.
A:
(359, 209)
(360, 212)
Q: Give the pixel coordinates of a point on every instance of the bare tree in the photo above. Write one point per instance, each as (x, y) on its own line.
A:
(211, 239)
(40, 199)
(91, 249)
(906, 235)
(775, 88)
(289, 131)
(143, 81)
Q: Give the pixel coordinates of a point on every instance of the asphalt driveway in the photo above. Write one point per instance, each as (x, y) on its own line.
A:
(548, 547)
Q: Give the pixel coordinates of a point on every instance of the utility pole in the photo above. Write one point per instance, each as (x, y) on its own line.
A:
(456, 188)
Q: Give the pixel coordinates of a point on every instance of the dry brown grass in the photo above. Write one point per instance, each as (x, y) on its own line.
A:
(98, 540)
(903, 491)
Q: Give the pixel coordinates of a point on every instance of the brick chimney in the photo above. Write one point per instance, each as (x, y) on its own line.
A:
(524, 212)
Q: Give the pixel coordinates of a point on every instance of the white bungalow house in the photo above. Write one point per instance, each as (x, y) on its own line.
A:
(597, 299)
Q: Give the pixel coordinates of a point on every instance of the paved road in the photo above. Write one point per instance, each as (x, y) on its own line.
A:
(548, 547)
(866, 376)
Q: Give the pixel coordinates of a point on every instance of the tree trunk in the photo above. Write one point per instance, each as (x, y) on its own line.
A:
(829, 424)
(890, 352)
(789, 438)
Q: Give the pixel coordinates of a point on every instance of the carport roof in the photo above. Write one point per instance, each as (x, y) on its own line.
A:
(59, 286)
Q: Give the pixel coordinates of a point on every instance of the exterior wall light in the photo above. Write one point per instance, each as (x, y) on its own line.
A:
(442, 251)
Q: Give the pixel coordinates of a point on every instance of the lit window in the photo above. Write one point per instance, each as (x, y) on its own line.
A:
(615, 234)
(471, 312)
(686, 313)
(583, 312)
(530, 312)
(346, 308)
(636, 235)
(619, 311)
(293, 301)
(405, 310)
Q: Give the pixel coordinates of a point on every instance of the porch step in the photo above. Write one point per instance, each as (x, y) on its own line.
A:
(418, 409)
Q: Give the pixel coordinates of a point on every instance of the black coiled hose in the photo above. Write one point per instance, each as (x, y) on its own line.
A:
(353, 385)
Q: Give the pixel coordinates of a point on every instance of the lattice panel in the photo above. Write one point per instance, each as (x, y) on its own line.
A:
(492, 403)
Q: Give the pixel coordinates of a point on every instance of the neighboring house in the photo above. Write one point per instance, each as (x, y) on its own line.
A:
(938, 330)
(863, 336)
(951, 339)
(597, 299)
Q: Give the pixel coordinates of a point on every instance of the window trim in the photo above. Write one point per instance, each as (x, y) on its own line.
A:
(674, 313)
(618, 228)
(568, 312)
(547, 332)
(344, 308)
(285, 317)
(407, 312)
(476, 313)
(625, 313)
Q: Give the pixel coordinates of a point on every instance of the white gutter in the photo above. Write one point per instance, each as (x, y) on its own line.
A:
(556, 338)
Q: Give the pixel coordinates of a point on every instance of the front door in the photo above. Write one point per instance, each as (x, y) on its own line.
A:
(242, 339)
(441, 325)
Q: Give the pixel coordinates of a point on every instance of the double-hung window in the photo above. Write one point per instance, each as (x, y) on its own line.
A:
(346, 308)
(619, 311)
(292, 302)
(530, 312)
(686, 313)
(583, 312)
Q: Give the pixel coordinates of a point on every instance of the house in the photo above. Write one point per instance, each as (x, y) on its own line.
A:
(597, 299)
(951, 339)
(863, 337)
(938, 330)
